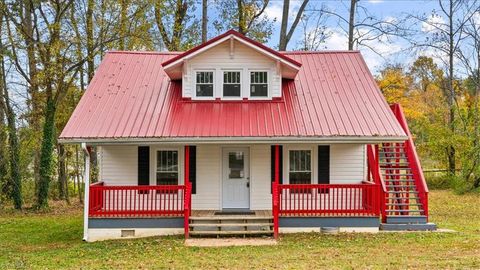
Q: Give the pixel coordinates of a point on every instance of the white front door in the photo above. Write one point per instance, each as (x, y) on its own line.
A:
(236, 178)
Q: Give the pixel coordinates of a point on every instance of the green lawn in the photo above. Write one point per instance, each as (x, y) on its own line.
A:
(53, 240)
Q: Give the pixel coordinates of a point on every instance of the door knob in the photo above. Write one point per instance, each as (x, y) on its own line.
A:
(248, 184)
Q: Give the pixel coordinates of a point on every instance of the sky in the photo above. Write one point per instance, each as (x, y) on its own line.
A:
(393, 51)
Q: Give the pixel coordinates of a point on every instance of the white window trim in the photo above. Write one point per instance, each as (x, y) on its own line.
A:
(194, 90)
(153, 163)
(223, 82)
(269, 84)
(286, 161)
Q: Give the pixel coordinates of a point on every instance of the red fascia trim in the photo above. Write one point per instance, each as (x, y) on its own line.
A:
(237, 34)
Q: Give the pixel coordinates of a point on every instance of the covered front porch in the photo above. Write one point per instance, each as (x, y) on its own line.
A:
(270, 175)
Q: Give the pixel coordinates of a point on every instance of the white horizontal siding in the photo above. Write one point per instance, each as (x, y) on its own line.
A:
(260, 179)
(209, 162)
(347, 163)
(118, 165)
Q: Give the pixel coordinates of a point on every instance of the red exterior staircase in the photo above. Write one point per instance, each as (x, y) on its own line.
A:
(405, 190)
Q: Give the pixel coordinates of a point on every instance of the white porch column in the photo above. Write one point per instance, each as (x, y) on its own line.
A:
(86, 177)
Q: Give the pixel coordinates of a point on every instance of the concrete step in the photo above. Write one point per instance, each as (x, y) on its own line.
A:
(391, 219)
(408, 227)
(229, 233)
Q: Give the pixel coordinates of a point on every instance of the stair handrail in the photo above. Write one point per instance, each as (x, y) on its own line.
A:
(412, 155)
(374, 169)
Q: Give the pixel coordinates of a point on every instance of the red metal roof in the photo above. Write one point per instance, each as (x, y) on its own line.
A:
(131, 97)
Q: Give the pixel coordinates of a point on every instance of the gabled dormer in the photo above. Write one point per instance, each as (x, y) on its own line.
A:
(231, 67)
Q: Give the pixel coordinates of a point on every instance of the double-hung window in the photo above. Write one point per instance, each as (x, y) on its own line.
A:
(167, 167)
(231, 84)
(300, 167)
(259, 84)
(204, 84)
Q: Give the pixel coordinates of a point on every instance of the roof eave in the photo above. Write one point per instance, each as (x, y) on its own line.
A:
(229, 140)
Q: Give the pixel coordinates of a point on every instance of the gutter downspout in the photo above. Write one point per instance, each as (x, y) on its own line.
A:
(86, 192)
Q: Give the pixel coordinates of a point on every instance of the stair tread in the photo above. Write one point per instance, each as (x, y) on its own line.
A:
(229, 232)
(230, 224)
(404, 211)
(404, 204)
(400, 180)
(219, 217)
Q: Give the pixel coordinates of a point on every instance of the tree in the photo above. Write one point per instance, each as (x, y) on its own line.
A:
(15, 178)
(364, 29)
(172, 18)
(446, 36)
(286, 35)
(247, 16)
(313, 36)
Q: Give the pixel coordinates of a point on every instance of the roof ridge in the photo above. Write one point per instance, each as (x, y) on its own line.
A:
(144, 52)
(320, 52)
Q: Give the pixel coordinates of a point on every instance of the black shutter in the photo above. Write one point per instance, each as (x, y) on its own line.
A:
(193, 168)
(324, 164)
(272, 163)
(143, 165)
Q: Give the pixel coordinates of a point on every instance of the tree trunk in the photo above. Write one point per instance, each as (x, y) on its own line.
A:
(242, 25)
(204, 21)
(351, 24)
(3, 153)
(62, 174)
(77, 174)
(282, 44)
(123, 24)
(285, 35)
(35, 98)
(451, 91)
(90, 41)
(46, 153)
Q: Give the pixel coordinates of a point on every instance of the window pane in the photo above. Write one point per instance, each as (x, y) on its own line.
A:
(300, 178)
(231, 90)
(300, 166)
(236, 165)
(259, 90)
(167, 168)
(204, 90)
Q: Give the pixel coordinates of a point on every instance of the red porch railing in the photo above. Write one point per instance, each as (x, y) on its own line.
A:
(134, 201)
(328, 200)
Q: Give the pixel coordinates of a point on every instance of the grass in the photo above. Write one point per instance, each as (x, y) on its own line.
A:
(53, 240)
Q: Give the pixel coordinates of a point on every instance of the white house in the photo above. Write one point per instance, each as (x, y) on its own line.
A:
(234, 138)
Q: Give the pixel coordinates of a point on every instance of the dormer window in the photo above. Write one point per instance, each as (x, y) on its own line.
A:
(231, 84)
(259, 84)
(204, 84)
